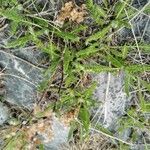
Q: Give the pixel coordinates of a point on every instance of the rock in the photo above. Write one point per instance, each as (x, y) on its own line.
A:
(139, 3)
(60, 135)
(140, 25)
(20, 79)
(114, 100)
(32, 55)
(4, 113)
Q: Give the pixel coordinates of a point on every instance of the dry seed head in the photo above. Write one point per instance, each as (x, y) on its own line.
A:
(71, 12)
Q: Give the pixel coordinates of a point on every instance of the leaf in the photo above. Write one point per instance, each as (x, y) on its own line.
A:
(84, 116)
(14, 15)
(127, 83)
(41, 147)
(145, 84)
(40, 21)
(73, 127)
(88, 93)
(20, 42)
(117, 24)
(100, 11)
(115, 61)
(147, 9)
(137, 68)
(54, 64)
(145, 106)
(98, 35)
(119, 8)
(88, 51)
(10, 2)
(71, 79)
(43, 85)
(14, 25)
(94, 68)
(48, 48)
(124, 51)
(101, 128)
(89, 3)
(145, 48)
(67, 36)
(96, 12)
(67, 59)
(79, 28)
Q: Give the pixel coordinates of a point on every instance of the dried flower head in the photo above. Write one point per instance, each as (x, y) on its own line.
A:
(71, 12)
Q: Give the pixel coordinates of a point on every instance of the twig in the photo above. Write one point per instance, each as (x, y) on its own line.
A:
(112, 137)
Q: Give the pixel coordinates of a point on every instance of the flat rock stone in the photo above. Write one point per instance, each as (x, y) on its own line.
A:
(110, 93)
(60, 135)
(20, 79)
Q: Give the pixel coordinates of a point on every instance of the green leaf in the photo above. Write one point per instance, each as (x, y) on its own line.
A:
(67, 59)
(116, 24)
(21, 42)
(97, 12)
(137, 68)
(71, 79)
(40, 21)
(10, 2)
(88, 93)
(14, 26)
(119, 8)
(73, 127)
(67, 36)
(100, 11)
(84, 116)
(41, 147)
(101, 128)
(147, 9)
(127, 83)
(15, 15)
(98, 35)
(88, 51)
(125, 50)
(12, 14)
(79, 29)
(54, 64)
(117, 62)
(95, 68)
(145, 84)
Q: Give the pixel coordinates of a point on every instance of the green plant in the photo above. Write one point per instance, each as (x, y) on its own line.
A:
(76, 56)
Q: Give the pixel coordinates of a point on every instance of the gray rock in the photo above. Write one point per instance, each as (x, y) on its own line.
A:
(60, 135)
(113, 99)
(21, 79)
(32, 55)
(140, 25)
(139, 3)
(4, 113)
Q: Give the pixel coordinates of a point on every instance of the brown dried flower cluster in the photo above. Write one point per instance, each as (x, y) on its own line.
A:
(42, 127)
(71, 12)
(68, 117)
